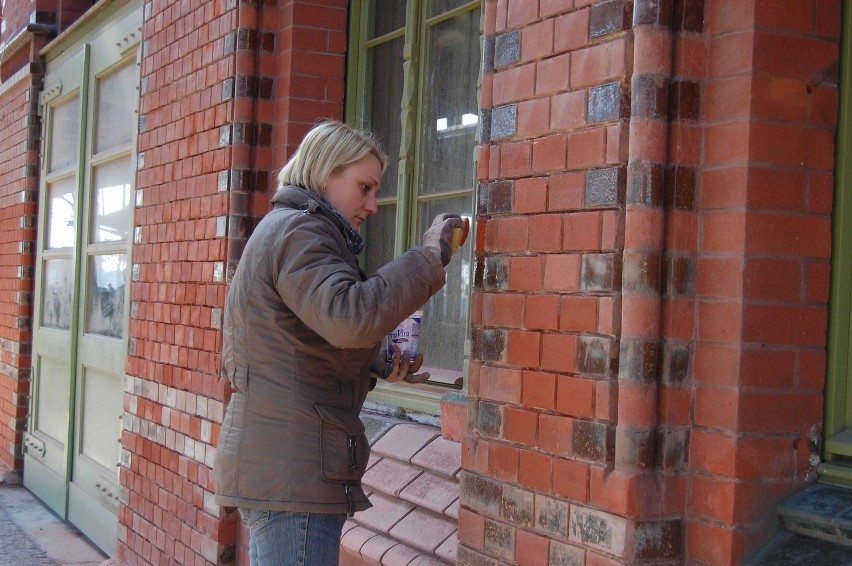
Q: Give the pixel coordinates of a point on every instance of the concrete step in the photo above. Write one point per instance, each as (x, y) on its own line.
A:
(821, 511)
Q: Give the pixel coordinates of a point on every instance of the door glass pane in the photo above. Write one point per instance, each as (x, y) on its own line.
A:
(384, 65)
(106, 295)
(61, 220)
(445, 315)
(54, 382)
(101, 424)
(379, 237)
(65, 134)
(387, 16)
(451, 109)
(115, 118)
(56, 298)
(112, 208)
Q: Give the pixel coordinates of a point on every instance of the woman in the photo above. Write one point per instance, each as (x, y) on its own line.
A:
(301, 334)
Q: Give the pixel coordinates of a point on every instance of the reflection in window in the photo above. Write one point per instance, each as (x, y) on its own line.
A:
(107, 295)
(56, 297)
(61, 219)
(111, 218)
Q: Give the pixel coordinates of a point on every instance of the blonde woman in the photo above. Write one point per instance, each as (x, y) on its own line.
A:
(301, 340)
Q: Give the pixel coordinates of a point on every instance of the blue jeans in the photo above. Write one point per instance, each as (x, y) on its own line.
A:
(284, 538)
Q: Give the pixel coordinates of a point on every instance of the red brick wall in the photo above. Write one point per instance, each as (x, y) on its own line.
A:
(19, 146)
(173, 393)
(762, 268)
(220, 110)
(653, 248)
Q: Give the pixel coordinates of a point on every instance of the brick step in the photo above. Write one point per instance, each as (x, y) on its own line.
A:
(412, 481)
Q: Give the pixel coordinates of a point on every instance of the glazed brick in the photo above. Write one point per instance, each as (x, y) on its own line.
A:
(499, 539)
(604, 187)
(504, 122)
(609, 16)
(653, 12)
(596, 356)
(676, 363)
(507, 49)
(680, 187)
(489, 419)
(488, 345)
(481, 494)
(688, 16)
(658, 540)
(606, 102)
(671, 448)
(551, 516)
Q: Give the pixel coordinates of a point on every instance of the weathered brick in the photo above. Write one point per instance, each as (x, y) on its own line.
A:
(593, 441)
(507, 48)
(517, 506)
(551, 516)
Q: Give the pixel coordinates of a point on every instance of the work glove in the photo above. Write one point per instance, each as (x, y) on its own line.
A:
(399, 367)
(439, 237)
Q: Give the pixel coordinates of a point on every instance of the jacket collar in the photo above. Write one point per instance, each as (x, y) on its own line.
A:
(300, 198)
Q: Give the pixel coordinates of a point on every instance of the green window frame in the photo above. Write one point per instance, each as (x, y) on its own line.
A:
(414, 73)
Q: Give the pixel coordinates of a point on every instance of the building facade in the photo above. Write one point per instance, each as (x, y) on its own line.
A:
(642, 351)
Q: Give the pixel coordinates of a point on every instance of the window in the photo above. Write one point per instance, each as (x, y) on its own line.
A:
(413, 79)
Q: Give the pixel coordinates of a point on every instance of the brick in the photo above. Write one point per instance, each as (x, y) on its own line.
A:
(575, 397)
(503, 309)
(535, 470)
(503, 462)
(521, 426)
(567, 110)
(507, 48)
(533, 118)
(784, 325)
(537, 40)
(553, 75)
(538, 390)
(530, 195)
(504, 122)
(523, 348)
(598, 64)
(545, 233)
(571, 31)
(531, 549)
(562, 272)
(578, 313)
(515, 159)
(566, 191)
(542, 312)
(558, 352)
(526, 273)
(555, 434)
(514, 84)
(499, 539)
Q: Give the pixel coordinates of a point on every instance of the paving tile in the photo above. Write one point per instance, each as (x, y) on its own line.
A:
(348, 526)
(432, 492)
(390, 476)
(453, 510)
(374, 459)
(375, 548)
(405, 440)
(385, 512)
(447, 550)
(426, 561)
(355, 539)
(399, 555)
(441, 455)
(423, 529)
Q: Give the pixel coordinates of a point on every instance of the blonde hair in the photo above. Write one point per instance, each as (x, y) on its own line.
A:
(327, 148)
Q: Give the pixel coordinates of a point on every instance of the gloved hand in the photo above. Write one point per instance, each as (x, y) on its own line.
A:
(399, 367)
(439, 237)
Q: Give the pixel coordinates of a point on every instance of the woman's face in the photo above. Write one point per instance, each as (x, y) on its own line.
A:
(353, 190)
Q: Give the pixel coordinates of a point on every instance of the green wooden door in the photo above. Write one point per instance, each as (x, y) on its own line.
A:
(89, 106)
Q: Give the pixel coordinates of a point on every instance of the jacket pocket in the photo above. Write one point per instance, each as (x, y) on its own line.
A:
(344, 450)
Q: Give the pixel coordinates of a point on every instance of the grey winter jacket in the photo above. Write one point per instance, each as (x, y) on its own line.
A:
(302, 326)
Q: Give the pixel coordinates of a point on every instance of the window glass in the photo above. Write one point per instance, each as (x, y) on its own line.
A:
(442, 334)
(387, 16)
(384, 65)
(451, 108)
(65, 134)
(425, 111)
(115, 116)
(438, 7)
(378, 235)
(106, 295)
(61, 219)
(111, 215)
